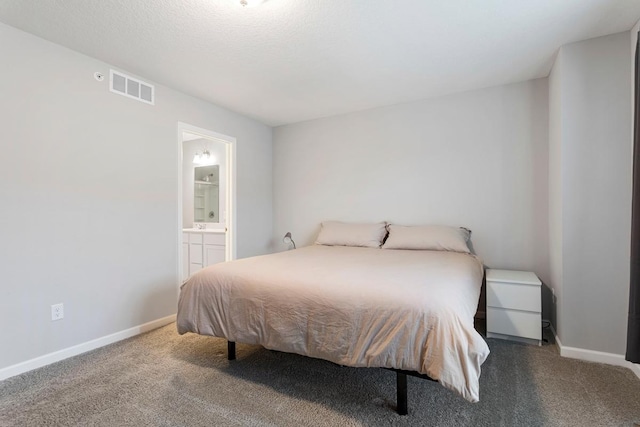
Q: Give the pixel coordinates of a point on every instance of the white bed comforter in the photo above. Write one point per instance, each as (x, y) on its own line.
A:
(400, 309)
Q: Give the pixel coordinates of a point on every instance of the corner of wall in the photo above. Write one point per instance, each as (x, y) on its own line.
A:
(555, 192)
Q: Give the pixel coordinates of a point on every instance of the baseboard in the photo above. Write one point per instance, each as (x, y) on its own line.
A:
(59, 355)
(594, 356)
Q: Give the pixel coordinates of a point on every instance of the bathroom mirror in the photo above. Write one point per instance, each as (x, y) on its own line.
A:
(206, 194)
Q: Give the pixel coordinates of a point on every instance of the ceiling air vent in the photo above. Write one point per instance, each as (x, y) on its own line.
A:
(131, 87)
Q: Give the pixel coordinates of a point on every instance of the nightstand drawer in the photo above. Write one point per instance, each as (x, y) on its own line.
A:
(515, 323)
(516, 296)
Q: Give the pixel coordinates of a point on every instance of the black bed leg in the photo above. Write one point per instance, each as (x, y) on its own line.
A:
(401, 393)
(231, 350)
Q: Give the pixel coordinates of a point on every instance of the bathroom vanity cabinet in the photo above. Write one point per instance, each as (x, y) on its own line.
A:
(201, 248)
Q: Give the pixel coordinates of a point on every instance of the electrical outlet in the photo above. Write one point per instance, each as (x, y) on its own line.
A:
(57, 311)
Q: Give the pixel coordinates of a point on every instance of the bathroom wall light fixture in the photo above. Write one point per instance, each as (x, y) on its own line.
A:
(202, 158)
(287, 239)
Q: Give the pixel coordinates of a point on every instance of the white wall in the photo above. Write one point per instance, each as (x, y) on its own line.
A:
(96, 226)
(476, 159)
(218, 152)
(592, 80)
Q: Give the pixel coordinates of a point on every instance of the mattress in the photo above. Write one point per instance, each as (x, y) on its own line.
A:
(361, 307)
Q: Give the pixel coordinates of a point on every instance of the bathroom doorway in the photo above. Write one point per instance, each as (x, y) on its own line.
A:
(206, 199)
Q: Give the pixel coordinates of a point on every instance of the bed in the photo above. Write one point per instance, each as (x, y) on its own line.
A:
(407, 310)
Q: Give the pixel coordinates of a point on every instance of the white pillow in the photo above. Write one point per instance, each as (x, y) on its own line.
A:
(430, 237)
(334, 233)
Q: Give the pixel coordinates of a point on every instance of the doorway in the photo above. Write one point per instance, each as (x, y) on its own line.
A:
(206, 199)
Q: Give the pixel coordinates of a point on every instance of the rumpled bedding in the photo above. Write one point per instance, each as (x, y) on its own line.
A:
(359, 307)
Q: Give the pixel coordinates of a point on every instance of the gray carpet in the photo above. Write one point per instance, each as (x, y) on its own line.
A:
(162, 379)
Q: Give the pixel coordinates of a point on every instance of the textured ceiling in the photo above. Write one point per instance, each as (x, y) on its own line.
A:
(286, 61)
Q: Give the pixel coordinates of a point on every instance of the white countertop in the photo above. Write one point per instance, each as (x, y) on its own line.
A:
(204, 230)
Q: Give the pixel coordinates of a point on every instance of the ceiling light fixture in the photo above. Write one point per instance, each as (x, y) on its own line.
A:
(250, 3)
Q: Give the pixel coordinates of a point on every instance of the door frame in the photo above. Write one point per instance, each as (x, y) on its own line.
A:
(230, 197)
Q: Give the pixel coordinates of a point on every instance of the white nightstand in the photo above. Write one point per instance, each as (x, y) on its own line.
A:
(514, 305)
